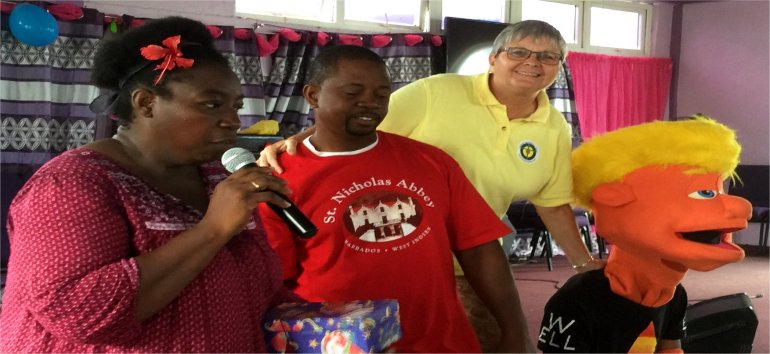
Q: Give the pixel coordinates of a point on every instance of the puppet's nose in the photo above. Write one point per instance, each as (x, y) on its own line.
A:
(737, 207)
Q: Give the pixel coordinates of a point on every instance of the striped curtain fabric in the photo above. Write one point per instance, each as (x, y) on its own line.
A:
(46, 91)
(244, 59)
(562, 96)
(44, 97)
(283, 90)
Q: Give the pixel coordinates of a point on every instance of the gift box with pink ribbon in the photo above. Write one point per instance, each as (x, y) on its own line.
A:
(363, 326)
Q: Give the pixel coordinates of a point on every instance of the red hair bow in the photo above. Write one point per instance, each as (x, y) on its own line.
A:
(172, 56)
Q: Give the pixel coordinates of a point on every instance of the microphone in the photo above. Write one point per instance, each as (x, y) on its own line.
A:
(237, 158)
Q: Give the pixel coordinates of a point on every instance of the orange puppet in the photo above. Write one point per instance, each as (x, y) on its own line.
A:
(656, 193)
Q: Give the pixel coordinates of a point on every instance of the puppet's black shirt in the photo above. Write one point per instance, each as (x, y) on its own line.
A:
(586, 316)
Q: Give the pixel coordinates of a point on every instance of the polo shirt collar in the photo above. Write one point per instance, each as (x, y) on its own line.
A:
(485, 97)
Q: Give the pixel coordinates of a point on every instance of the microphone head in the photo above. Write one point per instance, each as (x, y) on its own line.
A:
(236, 158)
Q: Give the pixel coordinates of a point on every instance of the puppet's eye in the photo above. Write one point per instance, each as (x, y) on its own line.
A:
(703, 194)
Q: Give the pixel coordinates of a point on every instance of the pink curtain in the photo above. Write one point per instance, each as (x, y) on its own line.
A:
(613, 92)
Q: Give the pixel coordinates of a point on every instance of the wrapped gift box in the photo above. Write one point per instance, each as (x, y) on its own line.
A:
(364, 326)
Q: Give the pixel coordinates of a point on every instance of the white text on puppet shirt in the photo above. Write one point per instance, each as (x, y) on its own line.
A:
(548, 335)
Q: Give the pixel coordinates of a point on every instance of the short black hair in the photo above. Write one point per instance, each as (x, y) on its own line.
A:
(117, 59)
(325, 64)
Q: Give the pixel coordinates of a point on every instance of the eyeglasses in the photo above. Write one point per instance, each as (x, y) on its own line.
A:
(518, 53)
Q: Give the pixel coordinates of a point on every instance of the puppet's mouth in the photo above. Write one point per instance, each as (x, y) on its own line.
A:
(710, 237)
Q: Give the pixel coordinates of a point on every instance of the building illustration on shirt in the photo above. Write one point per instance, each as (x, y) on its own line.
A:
(386, 218)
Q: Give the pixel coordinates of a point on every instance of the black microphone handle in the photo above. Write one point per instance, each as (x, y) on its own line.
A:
(292, 216)
(297, 221)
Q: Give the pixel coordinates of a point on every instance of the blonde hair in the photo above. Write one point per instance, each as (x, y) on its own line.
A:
(702, 144)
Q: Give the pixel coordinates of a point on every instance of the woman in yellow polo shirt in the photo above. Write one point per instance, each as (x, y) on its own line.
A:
(501, 129)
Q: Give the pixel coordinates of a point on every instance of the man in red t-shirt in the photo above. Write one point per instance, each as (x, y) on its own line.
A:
(391, 212)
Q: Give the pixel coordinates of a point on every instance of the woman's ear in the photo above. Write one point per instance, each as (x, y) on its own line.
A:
(491, 63)
(310, 92)
(142, 101)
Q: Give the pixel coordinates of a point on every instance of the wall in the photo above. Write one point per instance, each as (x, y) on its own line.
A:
(723, 70)
(661, 30)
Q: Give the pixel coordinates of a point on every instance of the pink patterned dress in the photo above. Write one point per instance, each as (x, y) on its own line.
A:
(72, 281)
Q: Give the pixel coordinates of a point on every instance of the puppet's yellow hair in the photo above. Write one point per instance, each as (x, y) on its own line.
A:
(702, 144)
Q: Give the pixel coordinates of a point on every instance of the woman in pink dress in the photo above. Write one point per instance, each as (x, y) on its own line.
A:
(143, 242)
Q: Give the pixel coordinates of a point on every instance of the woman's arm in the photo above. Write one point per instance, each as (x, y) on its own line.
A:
(560, 222)
(167, 270)
(72, 245)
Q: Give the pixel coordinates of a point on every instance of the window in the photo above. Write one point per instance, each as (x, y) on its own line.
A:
(339, 15)
(398, 12)
(620, 27)
(565, 17)
(611, 27)
(489, 10)
(320, 10)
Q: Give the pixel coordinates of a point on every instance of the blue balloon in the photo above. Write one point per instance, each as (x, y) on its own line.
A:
(33, 25)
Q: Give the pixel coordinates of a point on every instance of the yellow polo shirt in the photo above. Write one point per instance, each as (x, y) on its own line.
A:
(506, 160)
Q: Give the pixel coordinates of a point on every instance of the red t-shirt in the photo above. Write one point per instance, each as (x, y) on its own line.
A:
(389, 216)
(72, 281)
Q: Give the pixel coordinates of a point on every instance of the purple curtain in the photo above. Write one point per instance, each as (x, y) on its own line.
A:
(562, 96)
(45, 97)
(46, 92)
(283, 90)
(243, 55)
(408, 63)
